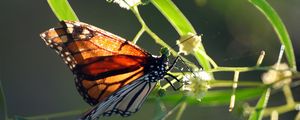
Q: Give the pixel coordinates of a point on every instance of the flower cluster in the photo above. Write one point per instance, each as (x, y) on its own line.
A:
(126, 3)
(280, 72)
(189, 43)
(196, 84)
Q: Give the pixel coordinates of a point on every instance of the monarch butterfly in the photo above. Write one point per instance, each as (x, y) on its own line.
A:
(111, 73)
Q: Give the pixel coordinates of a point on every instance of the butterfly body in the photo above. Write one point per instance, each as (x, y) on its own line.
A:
(111, 73)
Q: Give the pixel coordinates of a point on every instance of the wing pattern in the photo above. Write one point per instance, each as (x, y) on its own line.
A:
(110, 72)
(126, 101)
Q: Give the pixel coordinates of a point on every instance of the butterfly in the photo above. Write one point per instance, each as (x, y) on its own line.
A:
(111, 73)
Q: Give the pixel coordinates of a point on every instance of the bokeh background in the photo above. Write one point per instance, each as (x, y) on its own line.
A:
(36, 81)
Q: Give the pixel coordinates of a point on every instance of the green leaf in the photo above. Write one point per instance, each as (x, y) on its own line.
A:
(217, 97)
(257, 114)
(3, 110)
(279, 27)
(62, 10)
(174, 16)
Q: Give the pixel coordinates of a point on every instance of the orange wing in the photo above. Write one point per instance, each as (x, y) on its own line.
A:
(102, 62)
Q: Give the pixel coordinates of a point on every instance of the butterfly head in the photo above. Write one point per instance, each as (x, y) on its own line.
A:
(165, 53)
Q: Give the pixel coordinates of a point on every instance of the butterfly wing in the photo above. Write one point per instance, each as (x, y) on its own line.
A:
(102, 62)
(125, 101)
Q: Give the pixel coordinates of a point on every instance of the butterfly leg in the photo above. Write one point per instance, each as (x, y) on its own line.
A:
(173, 64)
(174, 88)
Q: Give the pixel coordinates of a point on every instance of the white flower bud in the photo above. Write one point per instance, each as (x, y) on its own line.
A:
(189, 43)
(126, 3)
(278, 74)
(196, 84)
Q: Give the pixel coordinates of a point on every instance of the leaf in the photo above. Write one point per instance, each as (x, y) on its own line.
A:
(257, 114)
(174, 16)
(62, 10)
(217, 97)
(279, 28)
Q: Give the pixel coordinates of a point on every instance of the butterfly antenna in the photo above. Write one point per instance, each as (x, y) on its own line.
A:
(187, 67)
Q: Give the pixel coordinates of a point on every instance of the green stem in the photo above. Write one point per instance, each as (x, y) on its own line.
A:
(260, 58)
(281, 109)
(239, 69)
(288, 95)
(228, 83)
(180, 102)
(138, 35)
(234, 86)
(297, 116)
(181, 110)
(155, 37)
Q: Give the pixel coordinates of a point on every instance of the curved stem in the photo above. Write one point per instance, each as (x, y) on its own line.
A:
(281, 109)
(180, 102)
(138, 35)
(156, 38)
(181, 110)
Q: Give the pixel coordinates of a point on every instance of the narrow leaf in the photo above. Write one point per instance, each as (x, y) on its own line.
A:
(279, 27)
(62, 10)
(257, 114)
(174, 16)
(217, 97)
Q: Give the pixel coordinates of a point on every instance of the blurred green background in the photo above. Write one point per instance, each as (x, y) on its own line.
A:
(36, 81)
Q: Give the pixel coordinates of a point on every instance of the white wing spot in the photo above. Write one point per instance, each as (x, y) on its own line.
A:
(82, 36)
(70, 30)
(64, 38)
(85, 31)
(68, 59)
(43, 35)
(69, 25)
(77, 24)
(67, 53)
(59, 48)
